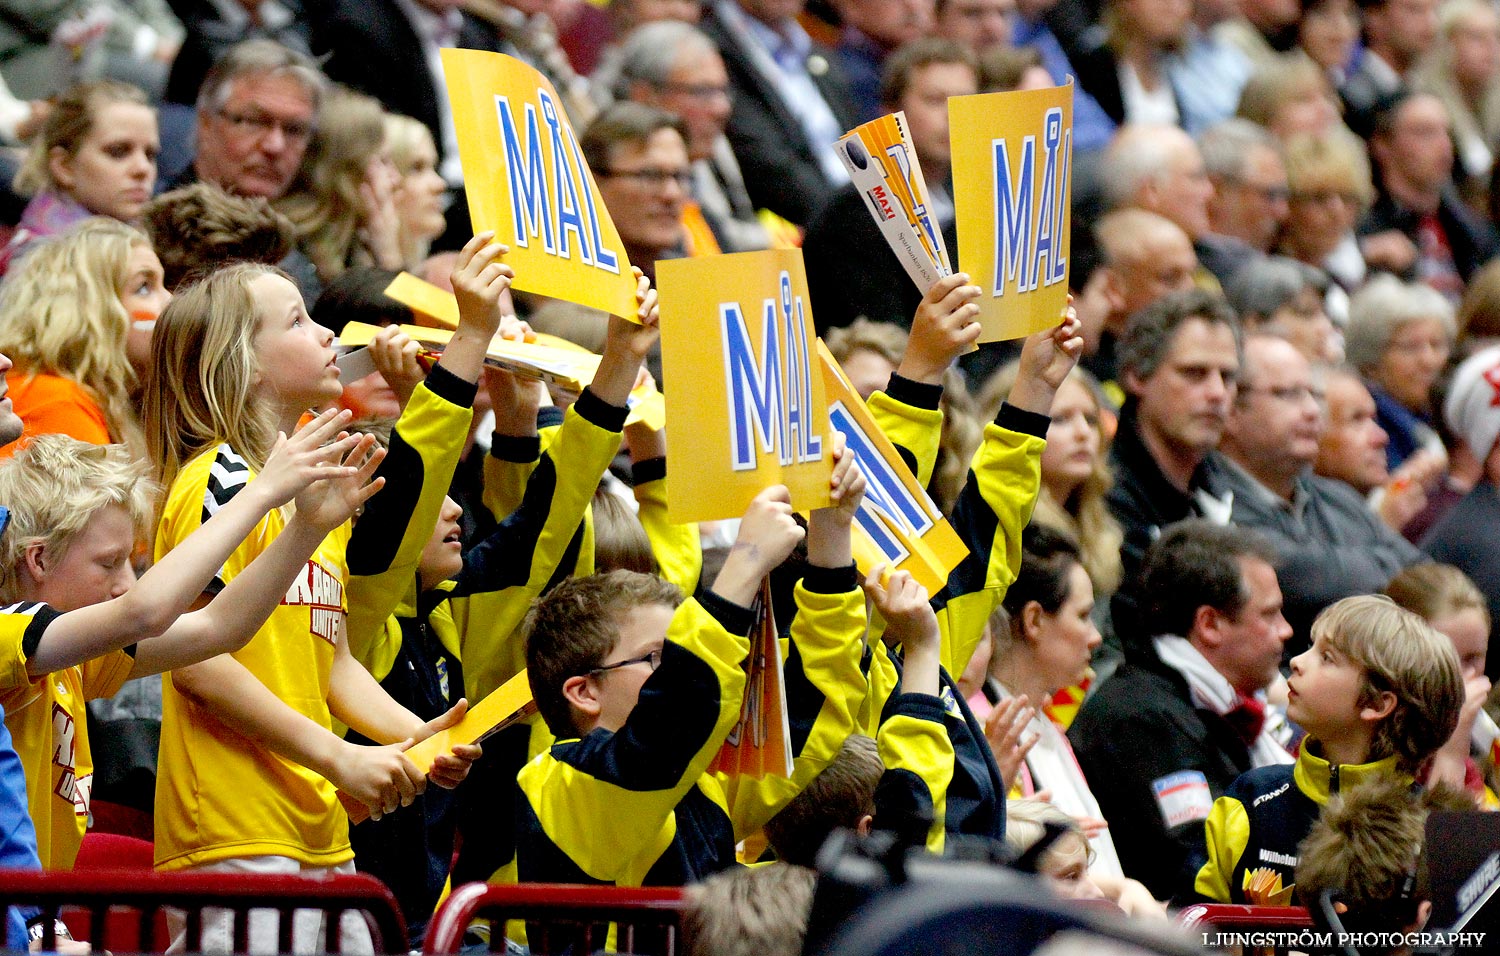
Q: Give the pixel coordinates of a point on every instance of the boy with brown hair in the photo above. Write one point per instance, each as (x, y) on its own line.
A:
(201, 227)
(1378, 693)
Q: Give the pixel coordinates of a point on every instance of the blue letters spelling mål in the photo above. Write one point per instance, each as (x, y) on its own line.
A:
(770, 401)
(564, 206)
(1028, 225)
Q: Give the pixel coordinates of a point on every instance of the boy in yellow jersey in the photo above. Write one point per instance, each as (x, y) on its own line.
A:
(1378, 693)
(641, 689)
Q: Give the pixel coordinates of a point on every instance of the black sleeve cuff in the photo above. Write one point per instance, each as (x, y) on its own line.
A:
(735, 619)
(40, 619)
(445, 385)
(513, 448)
(652, 469)
(549, 416)
(919, 706)
(830, 580)
(609, 417)
(1020, 420)
(914, 393)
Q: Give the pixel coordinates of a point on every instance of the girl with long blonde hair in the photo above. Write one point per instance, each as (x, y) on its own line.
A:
(73, 314)
(341, 201)
(249, 758)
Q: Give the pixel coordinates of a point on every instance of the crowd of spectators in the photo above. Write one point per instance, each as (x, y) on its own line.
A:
(1286, 400)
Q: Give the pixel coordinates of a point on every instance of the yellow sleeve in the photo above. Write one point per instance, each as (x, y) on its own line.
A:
(545, 539)
(825, 692)
(386, 544)
(679, 552)
(916, 432)
(21, 626)
(606, 802)
(881, 679)
(993, 509)
(1226, 832)
(912, 796)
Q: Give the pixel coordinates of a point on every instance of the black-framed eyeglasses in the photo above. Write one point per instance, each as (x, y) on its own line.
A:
(654, 177)
(260, 124)
(651, 659)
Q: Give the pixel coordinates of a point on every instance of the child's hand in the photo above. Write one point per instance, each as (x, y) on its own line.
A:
(905, 606)
(828, 543)
(314, 453)
(625, 347)
(846, 484)
(395, 356)
(645, 299)
(946, 324)
(449, 769)
(768, 533)
(1047, 358)
(329, 503)
(513, 329)
(480, 277)
(382, 778)
(1004, 729)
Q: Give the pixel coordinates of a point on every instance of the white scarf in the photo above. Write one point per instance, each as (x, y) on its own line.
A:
(1212, 691)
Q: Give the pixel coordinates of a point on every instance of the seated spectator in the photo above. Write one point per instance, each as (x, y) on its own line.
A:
(1397, 35)
(791, 102)
(978, 25)
(1463, 70)
(1042, 644)
(1005, 70)
(1329, 544)
(1290, 97)
(1159, 169)
(1249, 200)
(1452, 605)
(257, 112)
(1329, 35)
(1369, 851)
(1284, 297)
(759, 911)
(419, 191)
(1399, 338)
(872, 32)
(1208, 71)
(1178, 364)
(1412, 149)
(1126, 64)
(1145, 257)
(1352, 450)
(638, 155)
(1378, 693)
(851, 270)
(1263, 31)
(213, 29)
(1462, 537)
(76, 315)
(200, 227)
(1329, 188)
(96, 156)
(342, 199)
(1184, 716)
(1070, 866)
(674, 67)
(1075, 472)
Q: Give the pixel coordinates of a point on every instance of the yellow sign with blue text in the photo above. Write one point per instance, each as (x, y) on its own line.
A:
(897, 525)
(745, 407)
(527, 180)
(1012, 193)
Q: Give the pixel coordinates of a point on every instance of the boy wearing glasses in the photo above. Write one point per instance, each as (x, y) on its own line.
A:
(641, 688)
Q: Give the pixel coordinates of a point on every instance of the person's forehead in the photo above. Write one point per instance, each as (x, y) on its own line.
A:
(277, 90)
(1276, 359)
(1263, 163)
(944, 77)
(665, 144)
(1198, 341)
(693, 63)
(1347, 398)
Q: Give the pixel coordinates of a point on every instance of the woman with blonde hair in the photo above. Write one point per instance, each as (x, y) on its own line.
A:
(342, 200)
(418, 194)
(1292, 97)
(95, 156)
(1329, 187)
(1463, 70)
(74, 314)
(1075, 472)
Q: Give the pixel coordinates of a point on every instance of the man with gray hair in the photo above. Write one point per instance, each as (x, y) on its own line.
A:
(1160, 169)
(675, 67)
(257, 111)
(1179, 362)
(1249, 200)
(1284, 297)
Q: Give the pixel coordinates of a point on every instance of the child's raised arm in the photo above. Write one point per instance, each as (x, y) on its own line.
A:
(168, 589)
(767, 535)
(480, 278)
(232, 618)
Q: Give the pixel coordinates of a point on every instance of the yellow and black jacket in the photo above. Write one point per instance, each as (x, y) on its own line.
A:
(911, 798)
(1264, 816)
(638, 807)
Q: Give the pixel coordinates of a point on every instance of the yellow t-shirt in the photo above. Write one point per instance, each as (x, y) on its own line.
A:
(219, 795)
(48, 724)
